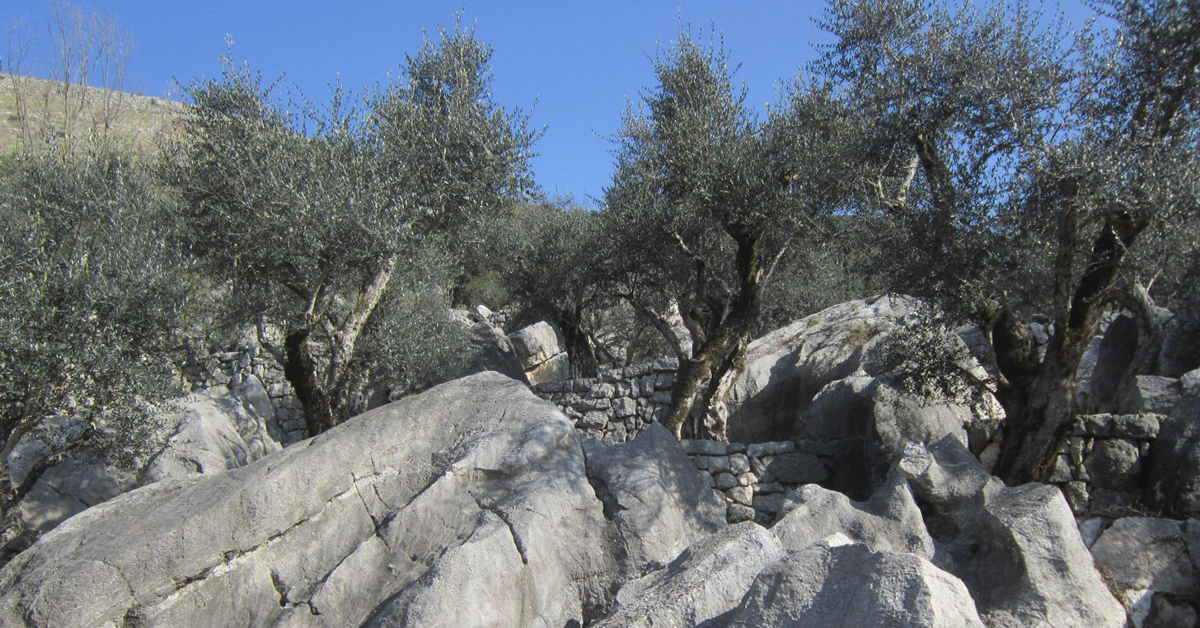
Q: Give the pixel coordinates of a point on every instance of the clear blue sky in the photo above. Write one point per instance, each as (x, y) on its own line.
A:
(574, 63)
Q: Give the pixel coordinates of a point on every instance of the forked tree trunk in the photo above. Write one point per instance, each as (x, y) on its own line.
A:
(1039, 402)
(720, 346)
(326, 397)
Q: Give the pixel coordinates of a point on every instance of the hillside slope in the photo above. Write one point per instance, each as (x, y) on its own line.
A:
(139, 120)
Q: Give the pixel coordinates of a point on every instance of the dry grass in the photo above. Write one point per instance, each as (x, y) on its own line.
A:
(140, 121)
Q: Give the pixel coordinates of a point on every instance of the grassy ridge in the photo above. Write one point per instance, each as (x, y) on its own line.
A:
(139, 122)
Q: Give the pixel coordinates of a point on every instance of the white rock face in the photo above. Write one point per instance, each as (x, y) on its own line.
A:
(849, 585)
(542, 354)
(889, 521)
(208, 433)
(1017, 549)
(822, 381)
(476, 504)
(214, 433)
(705, 581)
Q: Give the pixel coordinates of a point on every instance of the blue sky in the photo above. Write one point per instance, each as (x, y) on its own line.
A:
(573, 63)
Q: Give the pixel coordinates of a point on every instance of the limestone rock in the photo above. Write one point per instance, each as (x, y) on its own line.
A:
(1173, 474)
(373, 518)
(1151, 394)
(890, 520)
(491, 349)
(214, 433)
(860, 425)
(705, 581)
(1147, 553)
(849, 585)
(1018, 549)
(786, 368)
(536, 344)
(659, 501)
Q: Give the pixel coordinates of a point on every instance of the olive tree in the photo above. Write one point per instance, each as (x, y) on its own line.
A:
(706, 198)
(548, 256)
(311, 217)
(1019, 166)
(92, 285)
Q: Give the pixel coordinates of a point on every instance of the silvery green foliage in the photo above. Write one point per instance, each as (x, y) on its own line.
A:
(924, 357)
(92, 283)
(300, 211)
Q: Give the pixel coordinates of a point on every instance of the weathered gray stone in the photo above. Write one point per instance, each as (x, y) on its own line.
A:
(1093, 425)
(536, 344)
(743, 495)
(1136, 426)
(491, 348)
(758, 450)
(1147, 553)
(1173, 473)
(890, 520)
(705, 581)
(1166, 613)
(624, 407)
(705, 447)
(786, 368)
(1114, 464)
(1151, 394)
(739, 464)
(594, 420)
(863, 423)
(476, 484)
(658, 500)
(1017, 549)
(555, 369)
(849, 585)
(1077, 496)
(726, 481)
(1115, 354)
(796, 468)
(739, 513)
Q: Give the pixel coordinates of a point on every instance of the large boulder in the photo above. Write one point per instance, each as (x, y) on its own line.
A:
(1173, 473)
(1017, 549)
(706, 580)
(860, 424)
(1148, 559)
(786, 368)
(890, 520)
(827, 586)
(540, 348)
(658, 499)
(475, 482)
(217, 430)
(491, 349)
(205, 432)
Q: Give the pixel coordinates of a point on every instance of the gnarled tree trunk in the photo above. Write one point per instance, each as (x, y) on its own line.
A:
(716, 355)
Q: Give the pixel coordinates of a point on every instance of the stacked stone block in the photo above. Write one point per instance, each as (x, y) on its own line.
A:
(232, 368)
(618, 405)
(1099, 467)
(754, 479)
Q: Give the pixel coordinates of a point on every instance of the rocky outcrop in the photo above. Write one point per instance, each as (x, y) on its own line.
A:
(539, 347)
(491, 349)
(1150, 563)
(478, 504)
(830, 584)
(208, 431)
(404, 499)
(1173, 476)
(787, 368)
(1017, 549)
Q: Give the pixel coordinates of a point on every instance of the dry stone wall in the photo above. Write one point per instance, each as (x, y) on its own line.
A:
(754, 479)
(231, 368)
(615, 407)
(618, 405)
(1100, 466)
